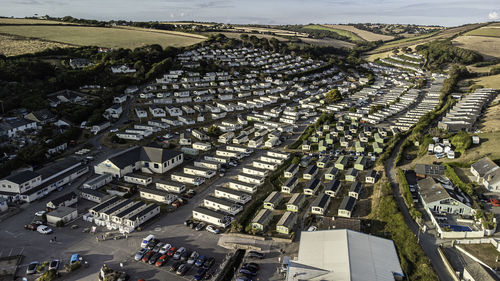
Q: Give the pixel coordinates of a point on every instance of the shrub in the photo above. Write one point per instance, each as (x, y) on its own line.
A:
(462, 141)
(48, 275)
(450, 173)
(60, 223)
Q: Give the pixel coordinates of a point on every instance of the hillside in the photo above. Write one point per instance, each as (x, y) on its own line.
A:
(485, 40)
(365, 35)
(36, 37)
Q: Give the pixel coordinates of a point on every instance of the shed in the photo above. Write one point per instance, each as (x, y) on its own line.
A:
(63, 213)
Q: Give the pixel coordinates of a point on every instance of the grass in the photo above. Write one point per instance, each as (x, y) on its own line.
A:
(492, 81)
(103, 37)
(366, 35)
(31, 21)
(15, 45)
(491, 118)
(481, 69)
(487, 46)
(346, 33)
(485, 31)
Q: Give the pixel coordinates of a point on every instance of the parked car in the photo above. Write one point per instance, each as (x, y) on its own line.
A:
(154, 258)
(188, 222)
(140, 254)
(200, 274)
(178, 253)
(31, 226)
(183, 268)
(193, 257)
(208, 263)
(43, 229)
(193, 225)
(200, 226)
(32, 267)
(201, 259)
(147, 256)
(114, 130)
(312, 228)
(251, 265)
(495, 202)
(250, 268)
(40, 213)
(162, 260)
(255, 255)
(152, 244)
(247, 272)
(74, 258)
(165, 249)
(213, 229)
(54, 265)
(171, 251)
(158, 247)
(175, 266)
(244, 278)
(185, 255)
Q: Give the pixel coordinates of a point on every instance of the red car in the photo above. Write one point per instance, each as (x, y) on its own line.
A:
(162, 260)
(495, 202)
(147, 256)
(171, 251)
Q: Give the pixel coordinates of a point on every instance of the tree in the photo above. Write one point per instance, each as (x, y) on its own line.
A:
(214, 131)
(333, 96)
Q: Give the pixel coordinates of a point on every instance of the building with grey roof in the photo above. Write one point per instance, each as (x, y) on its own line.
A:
(438, 199)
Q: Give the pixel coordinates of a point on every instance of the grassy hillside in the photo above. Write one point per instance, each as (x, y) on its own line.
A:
(366, 35)
(490, 31)
(102, 37)
(29, 21)
(352, 36)
(16, 45)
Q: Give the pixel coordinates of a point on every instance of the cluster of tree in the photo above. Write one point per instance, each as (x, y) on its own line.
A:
(333, 96)
(316, 33)
(442, 52)
(394, 29)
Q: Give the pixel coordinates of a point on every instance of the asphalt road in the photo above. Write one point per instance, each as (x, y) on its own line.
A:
(428, 242)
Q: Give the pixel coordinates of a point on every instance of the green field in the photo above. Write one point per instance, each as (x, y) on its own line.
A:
(349, 34)
(485, 31)
(103, 37)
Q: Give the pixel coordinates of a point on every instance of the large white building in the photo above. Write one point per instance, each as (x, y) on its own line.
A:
(344, 255)
(148, 159)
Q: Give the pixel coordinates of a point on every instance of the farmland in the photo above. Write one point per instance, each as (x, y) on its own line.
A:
(354, 37)
(15, 45)
(490, 31)
(328, 42)
(489, 47)
(102, 37)
(492, 81)
(30, 21)
(437, 35)
(274, 31)
(366, 35)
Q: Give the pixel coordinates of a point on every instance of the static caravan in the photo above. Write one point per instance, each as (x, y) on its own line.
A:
(273, 200)
(242, 186)
(264, 165)
(320, 204)
(291, 171)
(310, 172)
(290, 185)
(231, 194)
(203, 146)
(222, 160)
(226, 137)
(207, 164)
(241, 139)
(216, 218)
(98, 181)
(262, 219)
(272, 142)
(197, 171)
(251, 170)
(332, 188)
(138, 179)
(157, 195)
(371, 176)
(251, 179)
(171, 186)
(228, 153)
(355, 189)
(341, 163)
(322, 162)
(296, 202)
(276, 154)
(222, 204)
(187, 179)
(270, 159)
(286, 223)
(256, 142)
(351, 174)
(312, 186)
(347, 207)
(240, 149)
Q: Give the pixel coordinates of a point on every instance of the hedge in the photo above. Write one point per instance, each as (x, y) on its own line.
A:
(450, 173)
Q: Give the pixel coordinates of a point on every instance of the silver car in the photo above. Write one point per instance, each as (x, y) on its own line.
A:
(179, 252)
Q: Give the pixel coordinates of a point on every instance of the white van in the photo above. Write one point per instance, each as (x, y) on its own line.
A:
(146, 240)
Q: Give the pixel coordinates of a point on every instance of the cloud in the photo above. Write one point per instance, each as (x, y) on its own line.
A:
(182, 14)
(493, 15)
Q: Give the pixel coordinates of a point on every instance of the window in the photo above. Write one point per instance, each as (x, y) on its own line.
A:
(156, 166)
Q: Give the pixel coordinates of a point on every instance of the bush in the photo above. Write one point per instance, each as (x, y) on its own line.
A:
(462, 141)
(72, 267)
(60, 223)
(48, 275)
(450, 173)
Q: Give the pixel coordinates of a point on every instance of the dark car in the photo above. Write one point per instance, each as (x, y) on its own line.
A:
(193, 225)
(252, 265)
(255, 255)
(200, 226)
(175, 266)
(153, 243)
(147, 256)
(185, 255)
(188, 223)
(210, 274)
(154, 258)
(208, 263)
(200, 274)
(249, 268)
(54, 265)
(183, 269)
(201, 259)
(32, 268)
(248, 272)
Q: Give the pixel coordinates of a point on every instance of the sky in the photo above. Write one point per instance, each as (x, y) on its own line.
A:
(425, 12)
